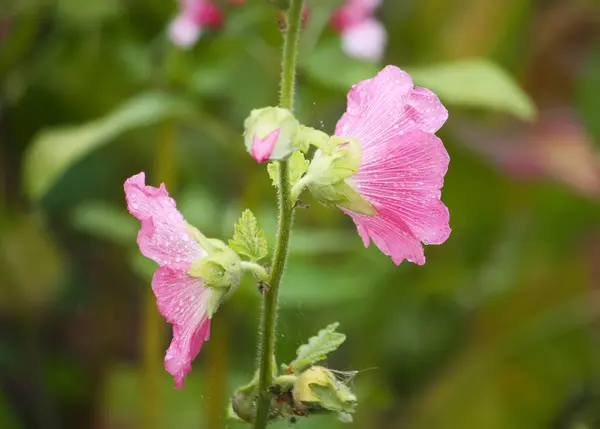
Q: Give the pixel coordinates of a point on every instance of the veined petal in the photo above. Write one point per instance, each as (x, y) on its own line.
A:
(426, 110)
(182, 300)
(163, 236)
(402, 180)
(386, 106)
(376, 108)
(390, 235)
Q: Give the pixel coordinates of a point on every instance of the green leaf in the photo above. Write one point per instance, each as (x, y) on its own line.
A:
(325, 342)
(331, 67)
(53, 151)
(107, 221)
(298, 166)
(320, 16)
(32, 265)
(248, 239)
(476, 82)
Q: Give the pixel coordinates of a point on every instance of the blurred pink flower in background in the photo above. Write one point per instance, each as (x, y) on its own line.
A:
(194, 15)
(555, 147)
(363, 36)
(402, 165)
(181, 298)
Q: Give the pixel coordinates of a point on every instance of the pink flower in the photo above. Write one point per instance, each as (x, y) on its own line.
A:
(363, 36)
(182, 299)
(402, 164)
(193, 17)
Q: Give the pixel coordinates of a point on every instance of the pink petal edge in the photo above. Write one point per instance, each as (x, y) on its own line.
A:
(181, 299)
(163, 236)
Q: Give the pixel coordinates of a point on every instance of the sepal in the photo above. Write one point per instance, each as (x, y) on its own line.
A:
(220, 270)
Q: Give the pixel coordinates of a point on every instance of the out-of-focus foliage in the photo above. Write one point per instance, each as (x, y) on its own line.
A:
(500, 329)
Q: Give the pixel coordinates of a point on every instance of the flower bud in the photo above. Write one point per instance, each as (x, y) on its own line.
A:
(270, 134)
(318, 388)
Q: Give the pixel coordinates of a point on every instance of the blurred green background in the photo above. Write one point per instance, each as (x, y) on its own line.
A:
(500, 329)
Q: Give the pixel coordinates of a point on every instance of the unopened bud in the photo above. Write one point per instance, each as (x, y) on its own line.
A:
(318, 388)
(270, 134)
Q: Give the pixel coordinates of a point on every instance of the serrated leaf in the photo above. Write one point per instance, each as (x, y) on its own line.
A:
(476, 82)
(248, 239)
(53, 151)
(298, 166)
(318, 347)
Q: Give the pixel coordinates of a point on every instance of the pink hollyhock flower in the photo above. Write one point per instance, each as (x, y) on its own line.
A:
(193, 17)
(363, 36)
(402, 164)
(182, 299)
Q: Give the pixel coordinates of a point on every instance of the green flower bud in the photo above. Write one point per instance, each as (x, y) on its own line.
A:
(317, 388)
(270, 134)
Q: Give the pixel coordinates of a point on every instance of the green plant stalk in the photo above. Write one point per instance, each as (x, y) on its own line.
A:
(284, 225)
(152, 322)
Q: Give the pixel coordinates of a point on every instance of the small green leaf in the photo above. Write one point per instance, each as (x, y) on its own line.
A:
(53, 151)
(476, 82)
(248, 239)
(298, 166)
(325, 342)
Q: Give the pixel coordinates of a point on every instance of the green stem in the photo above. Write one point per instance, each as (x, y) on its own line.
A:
(284, 225)
(152, 322)
(299, 187)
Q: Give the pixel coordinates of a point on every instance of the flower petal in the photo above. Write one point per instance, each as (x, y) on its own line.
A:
(376, 108)
(182, 299)
(391, 236)
(184, 31)
(386, 106)
(427, 111)
(402, 181)
(353, 12)
(163, 236)
(203, 13)
(365, 40)
(263, 148)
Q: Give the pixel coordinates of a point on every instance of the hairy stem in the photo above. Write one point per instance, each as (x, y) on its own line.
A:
(284, 225)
